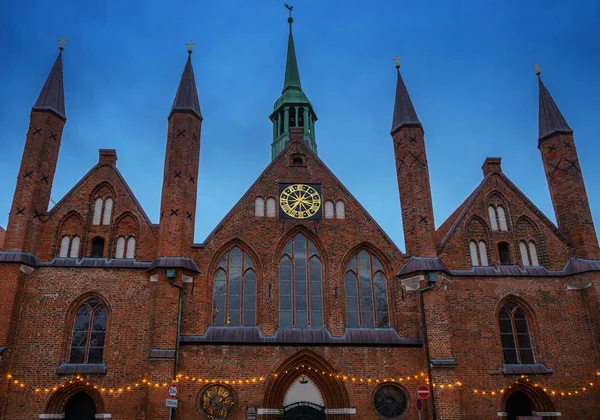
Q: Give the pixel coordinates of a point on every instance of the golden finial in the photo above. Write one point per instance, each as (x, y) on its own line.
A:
(397, 60)
(190, 45)
(62, 43)
(290, 8)
(537, 68)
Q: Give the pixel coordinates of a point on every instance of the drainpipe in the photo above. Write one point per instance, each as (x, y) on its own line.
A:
(431, 280)
(171, 412)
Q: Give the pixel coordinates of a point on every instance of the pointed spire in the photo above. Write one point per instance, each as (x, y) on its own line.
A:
(52, 96)
(550, 120)
(292, 75)
(404, 111)
(186, 99)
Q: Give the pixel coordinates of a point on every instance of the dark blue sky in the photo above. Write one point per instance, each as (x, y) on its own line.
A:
(467, 65)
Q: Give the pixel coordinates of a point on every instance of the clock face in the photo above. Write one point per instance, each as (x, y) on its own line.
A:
(217, 402)
(299, 201)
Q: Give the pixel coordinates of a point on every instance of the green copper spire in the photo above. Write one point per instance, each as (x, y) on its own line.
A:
(292, 108)
(292, 75)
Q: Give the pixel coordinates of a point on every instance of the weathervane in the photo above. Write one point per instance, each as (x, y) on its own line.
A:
(397, 60)
(537, 68)
(190, 45)
(290, 8)
(62, 43)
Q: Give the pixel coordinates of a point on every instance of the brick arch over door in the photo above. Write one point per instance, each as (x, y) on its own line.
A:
(333, 390)
(58, 401)
(539, 400)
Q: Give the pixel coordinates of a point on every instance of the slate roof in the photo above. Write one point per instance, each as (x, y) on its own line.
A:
(52, 96)
(573, 266)
(526, 369)
(404, 111)
(168, 262)
(293, 336)
(162, 354)
(186, 99)
(68, 368)
(551, 121)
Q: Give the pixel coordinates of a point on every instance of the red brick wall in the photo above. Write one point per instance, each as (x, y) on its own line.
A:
(415, 191)
(524, 221)
(461, 312)
(34, 181)
(568, 194)
(2, 236)
(178, 202)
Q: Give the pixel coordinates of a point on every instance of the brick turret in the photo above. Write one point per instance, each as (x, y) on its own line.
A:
(178, 204)
(565, 180)
(413, 176)
(38, 165)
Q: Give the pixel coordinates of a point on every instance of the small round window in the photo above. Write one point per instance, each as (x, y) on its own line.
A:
(390, 401)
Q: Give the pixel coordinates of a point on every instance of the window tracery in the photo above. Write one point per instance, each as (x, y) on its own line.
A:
(234, 296)
(89, 333)
(300, 285)
(515, 336)
(366, 292)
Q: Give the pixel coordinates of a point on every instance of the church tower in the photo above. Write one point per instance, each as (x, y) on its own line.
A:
(38, 165)
(565, 180)
(292, 108)
(178, 203)
(413, 175)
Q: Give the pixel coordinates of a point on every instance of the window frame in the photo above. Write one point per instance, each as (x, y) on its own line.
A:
(309, 256)
(511, 308)
(92, 312)
(374, 271)
(244, 270)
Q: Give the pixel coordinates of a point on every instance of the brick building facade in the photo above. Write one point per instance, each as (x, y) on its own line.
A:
(297, 303)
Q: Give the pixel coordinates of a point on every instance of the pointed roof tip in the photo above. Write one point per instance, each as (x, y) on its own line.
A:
(292, 75)
(52, 96)
(404, 111)
(186, 99)
(551, 120)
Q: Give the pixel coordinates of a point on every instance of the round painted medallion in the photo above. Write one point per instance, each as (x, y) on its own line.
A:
(390, 401)
(217, 402)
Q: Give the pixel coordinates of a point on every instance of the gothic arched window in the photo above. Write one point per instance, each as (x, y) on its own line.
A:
(366, 292)
(514, 333)
(89, 330)
(234, 298)
(300, 287)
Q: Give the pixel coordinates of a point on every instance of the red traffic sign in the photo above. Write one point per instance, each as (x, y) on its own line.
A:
(423, 391)
(173, 391)
(419, 404)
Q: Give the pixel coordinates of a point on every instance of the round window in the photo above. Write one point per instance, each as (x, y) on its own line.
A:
(390, 401)
(217, 402)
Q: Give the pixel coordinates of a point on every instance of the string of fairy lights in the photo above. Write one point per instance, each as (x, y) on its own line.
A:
(419, 378)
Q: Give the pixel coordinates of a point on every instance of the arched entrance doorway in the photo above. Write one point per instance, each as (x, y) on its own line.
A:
(518, 404)
(309, 381)
(77, 401)
(80, 407)
(525, 400)
(303, 401)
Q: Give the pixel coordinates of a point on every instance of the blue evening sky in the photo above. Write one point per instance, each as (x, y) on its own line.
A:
(467, 65)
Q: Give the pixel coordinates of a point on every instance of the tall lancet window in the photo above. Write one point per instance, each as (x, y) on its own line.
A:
(366, 292)
(234, 298)
(300, 286)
